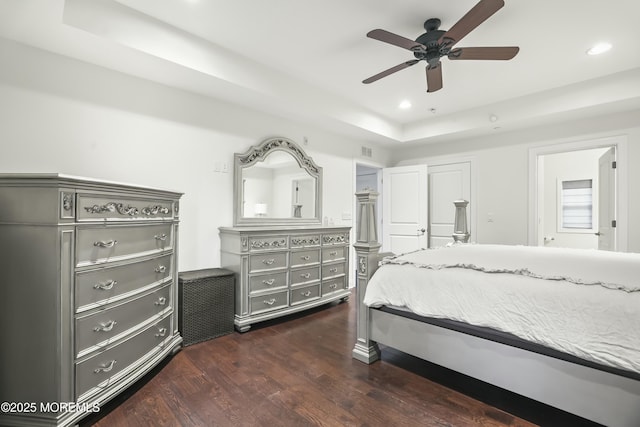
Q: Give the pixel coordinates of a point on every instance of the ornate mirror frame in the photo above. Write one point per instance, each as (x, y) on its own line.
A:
(257, 154)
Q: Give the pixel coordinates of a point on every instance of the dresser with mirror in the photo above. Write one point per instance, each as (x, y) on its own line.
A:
(284, 258)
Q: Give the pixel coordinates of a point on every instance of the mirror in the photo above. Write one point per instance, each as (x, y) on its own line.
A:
(276, 183)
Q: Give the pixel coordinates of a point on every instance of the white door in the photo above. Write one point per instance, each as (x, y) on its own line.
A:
(404, 208)
(606, 201)
(446, 183)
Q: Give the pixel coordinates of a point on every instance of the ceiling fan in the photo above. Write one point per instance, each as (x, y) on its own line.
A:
(435, 43)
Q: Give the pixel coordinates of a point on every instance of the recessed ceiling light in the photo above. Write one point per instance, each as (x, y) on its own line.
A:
(599, 48)
(404, 105)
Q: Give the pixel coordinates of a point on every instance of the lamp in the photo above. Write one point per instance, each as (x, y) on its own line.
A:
(260, 209)
(460, 230)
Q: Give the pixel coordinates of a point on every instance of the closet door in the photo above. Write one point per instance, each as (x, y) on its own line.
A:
(447, 183)
(404, 208)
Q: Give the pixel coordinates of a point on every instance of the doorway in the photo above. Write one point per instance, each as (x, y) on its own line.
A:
(574, 195)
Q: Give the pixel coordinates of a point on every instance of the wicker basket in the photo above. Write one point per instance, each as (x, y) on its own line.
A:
(205, 304)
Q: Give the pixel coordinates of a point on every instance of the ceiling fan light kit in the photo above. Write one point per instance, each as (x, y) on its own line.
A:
(435, 44)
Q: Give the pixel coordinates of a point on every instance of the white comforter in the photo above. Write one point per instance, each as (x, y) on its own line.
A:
(582, 302)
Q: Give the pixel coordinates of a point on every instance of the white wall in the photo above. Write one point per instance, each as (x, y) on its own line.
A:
(501, 163)
(62, 115)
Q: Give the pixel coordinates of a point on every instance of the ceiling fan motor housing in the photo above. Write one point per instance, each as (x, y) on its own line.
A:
(430, 39)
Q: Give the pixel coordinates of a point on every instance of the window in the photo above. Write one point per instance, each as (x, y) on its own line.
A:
(576, 204)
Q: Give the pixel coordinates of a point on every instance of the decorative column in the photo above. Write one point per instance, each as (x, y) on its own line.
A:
(367, 251)
(460, 230)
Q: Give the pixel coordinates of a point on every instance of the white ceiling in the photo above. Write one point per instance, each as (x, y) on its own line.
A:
(307, 60)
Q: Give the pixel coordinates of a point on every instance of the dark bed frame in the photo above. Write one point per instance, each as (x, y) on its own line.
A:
(607, 396)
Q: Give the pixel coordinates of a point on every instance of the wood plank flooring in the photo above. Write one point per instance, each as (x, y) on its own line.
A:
(298, 371)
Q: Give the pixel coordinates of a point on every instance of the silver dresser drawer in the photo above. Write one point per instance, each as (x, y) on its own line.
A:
(307, 257)
(93, 207)
(337, 253)
(333, 285)
(267, 261)
(304, 275)
(262, 282)
(330, 270)
(104, 243)
(305, 241)
(335, 238)
(109, 366)
(109, 284)
(269, 302)
(99, 329)
(304, 294)
(268, 242)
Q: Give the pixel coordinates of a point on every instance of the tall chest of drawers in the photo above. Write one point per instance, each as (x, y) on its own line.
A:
(89, 279)
(283, 270)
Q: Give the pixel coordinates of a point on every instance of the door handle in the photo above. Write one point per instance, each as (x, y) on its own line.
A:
(598, 233)
(421, 231)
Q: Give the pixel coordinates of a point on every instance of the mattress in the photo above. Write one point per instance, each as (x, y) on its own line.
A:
(582, 303)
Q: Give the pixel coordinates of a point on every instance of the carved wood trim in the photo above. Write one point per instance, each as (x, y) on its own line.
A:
(260, 151)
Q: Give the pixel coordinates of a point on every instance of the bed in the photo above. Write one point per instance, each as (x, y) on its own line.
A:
(558, 326)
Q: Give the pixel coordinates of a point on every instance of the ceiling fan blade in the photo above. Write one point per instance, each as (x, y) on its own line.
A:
(396, 40)
(490, 53)
(434, 77)
(391, 70)
(476, 16)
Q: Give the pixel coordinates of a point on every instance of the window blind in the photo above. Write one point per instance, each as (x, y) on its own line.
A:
(577, 204)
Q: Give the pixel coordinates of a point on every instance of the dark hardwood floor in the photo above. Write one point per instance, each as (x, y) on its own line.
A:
(298, 371)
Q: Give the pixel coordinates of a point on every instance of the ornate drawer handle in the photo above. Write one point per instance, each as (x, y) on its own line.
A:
(333, 286)
(160, 269)
(306, 294)
(105, 327)
(333, 270)
(305, 275)
(161, 301)
(270, 302)
(333, 253)
(305, 258)
(161, 237)
(269, 282)
(268, 261)
(109, 284)
(105, 368)
(161, 332)
(102, 244)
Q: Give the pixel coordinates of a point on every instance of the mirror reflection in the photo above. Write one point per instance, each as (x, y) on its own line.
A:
(277, 183)
(277, 187)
